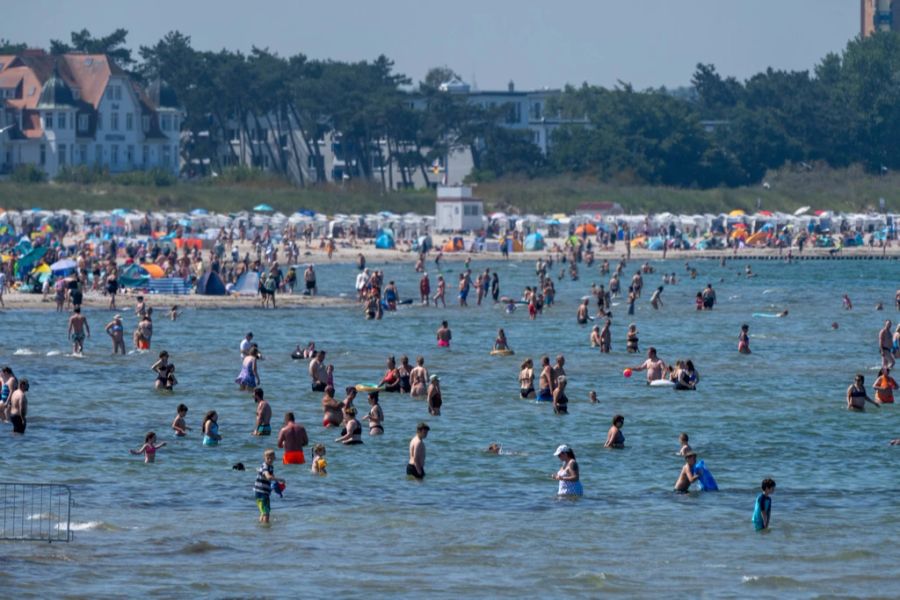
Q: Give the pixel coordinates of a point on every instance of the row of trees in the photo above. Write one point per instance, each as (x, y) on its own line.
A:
(720, 131)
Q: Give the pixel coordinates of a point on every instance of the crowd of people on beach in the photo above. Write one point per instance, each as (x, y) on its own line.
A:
(401, 377)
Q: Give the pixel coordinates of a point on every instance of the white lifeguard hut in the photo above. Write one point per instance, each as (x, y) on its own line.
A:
(456, 210)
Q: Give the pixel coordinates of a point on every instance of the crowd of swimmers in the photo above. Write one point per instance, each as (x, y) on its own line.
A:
(404, 378)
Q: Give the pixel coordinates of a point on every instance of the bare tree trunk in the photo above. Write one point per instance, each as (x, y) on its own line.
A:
(225, 136)
(266, 141)
(311, 148)
(422, 165)
(290, 131)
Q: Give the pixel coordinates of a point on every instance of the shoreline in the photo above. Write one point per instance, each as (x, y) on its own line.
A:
(377, 256)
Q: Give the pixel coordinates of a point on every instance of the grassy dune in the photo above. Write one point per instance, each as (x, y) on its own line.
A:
(846, 190)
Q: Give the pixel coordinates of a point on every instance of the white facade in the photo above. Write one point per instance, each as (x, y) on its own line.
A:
(76, 109)
(456, 210)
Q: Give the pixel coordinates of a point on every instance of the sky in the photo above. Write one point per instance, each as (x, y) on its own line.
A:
(534, 43)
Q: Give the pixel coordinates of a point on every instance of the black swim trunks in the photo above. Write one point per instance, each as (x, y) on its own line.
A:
(19, 424)
(412, 471)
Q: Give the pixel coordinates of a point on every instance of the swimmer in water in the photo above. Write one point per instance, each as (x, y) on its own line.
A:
(592, 397)
(500, 343)
(687, 476)
(685, 446)
(581, 316)
(319, 464)
(526, 379)
(444, 335)
(744, 339)
(614, 437)
(179, 425)
(846, 302)
(149, 448)
(595, 336)
(493, 448)
(656, 298)
(857, 396)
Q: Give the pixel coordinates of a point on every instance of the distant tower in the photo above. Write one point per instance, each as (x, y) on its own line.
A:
(879, 15)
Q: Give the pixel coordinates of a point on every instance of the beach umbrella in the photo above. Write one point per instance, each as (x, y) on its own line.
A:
(41, 268)
(306, 212)
(61, 266)
(736, 213)
(154, 270)
(263, 208)
(766, 213)
(801, 210)
(120, 212)
(552, 222)
(588, 228)
(199, 211)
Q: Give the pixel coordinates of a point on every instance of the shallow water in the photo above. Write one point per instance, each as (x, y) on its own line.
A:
(480, 525)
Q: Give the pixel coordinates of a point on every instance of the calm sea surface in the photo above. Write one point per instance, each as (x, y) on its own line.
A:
(480, 525)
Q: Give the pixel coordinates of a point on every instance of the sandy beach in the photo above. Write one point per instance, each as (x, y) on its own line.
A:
(375, 256)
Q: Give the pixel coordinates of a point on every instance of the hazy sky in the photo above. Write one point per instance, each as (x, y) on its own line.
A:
(535, 43)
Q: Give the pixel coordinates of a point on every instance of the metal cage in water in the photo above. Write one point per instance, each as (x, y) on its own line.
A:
(35, 512)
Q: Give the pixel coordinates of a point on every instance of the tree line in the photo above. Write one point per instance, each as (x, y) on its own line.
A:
(718, 132)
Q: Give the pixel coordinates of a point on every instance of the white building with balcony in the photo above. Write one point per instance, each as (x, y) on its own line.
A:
(81, 109)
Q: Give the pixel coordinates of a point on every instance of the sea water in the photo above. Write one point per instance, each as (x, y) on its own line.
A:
(480, 525)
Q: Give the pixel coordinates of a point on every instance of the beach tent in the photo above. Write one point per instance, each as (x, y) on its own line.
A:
(133, 276)
(656, 243)
(247, 284)
(154, 270)
(263, 208)
(534, 241)
(384, 240)
(211, 285)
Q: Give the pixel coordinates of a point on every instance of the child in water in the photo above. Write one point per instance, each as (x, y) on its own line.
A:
(685, 447)
(174, 314)
(171, 382)
(592, 397)
(319, 463)
(744, 339)
(500, 342)
(762, 511)
(179, 425)
(632, 339)
(149, 448)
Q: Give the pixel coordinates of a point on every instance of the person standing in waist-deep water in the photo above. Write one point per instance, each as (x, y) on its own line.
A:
(18, 407)
(292, 438)
(762, 511)
(415, 467)
(444, 335)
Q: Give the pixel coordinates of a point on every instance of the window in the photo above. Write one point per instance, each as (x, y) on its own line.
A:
(164, 122)
(166, 156)
(129, 121)
(536, 112)
(83, 122)
(48, 121)
(61, 151)
(114, 121)
(98, 154)
(99, 121)
(82, 154)
(174, 123)
(129, 154)
(145, 155)
(114, 154)
(43, 155)
(61, 120)
(145, 123)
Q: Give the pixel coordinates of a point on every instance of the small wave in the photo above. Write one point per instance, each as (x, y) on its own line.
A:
(24, 352)
(767, 292)
(54, 353)
(93, 525)
(201, 548)
(772, 581)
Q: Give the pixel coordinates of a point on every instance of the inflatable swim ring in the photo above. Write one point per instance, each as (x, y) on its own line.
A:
(662, 383)
(297, 355)
(706, 481)
(368, 387)
(506, 352)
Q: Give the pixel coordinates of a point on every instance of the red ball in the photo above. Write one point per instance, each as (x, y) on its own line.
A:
(627, 372)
